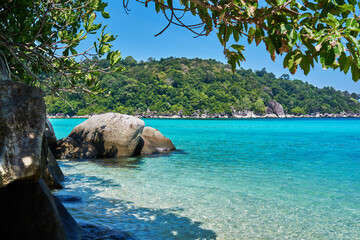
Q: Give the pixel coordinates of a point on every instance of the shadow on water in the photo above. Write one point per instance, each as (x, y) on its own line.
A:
(133, 162)
(129, 162)
(99, 215)
(166, 154)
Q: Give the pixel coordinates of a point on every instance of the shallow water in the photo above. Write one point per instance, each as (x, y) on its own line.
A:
(231, 179)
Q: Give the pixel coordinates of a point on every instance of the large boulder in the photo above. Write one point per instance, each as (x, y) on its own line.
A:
(113, 134)
(275, 108)
(28, 211)
(68, 148)
(22, 125)
(157, 140)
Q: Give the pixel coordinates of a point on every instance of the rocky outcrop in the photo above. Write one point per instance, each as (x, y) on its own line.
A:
(68, 148)
(112, 134)
(275, 108)
(27, 207)
(153, 139)
(22, 125)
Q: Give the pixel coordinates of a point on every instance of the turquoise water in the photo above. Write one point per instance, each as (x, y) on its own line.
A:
(231, 179)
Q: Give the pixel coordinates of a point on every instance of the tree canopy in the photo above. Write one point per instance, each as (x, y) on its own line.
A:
(169, 85)
(324, 31)
(39, 40)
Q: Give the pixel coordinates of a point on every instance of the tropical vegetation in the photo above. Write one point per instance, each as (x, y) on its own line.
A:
(196, 85)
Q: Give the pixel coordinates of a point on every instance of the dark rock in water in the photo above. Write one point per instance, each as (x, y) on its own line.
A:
(113, 134)
(92, 232)
(53, 175)
(68, 198)
(72, 228)
(275, 108)
(68, 148)
(157, 140)
(22, 125)
(50, 135)
(28, 211)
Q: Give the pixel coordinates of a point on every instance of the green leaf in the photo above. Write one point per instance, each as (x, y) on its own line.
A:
(115, 57)
(105, 14)
(228, 32)
(347, 64)
(287, 59)
(355, 72)
(66, 52)
(236, 34)
(90, 21)
(342, 61)
(73, 51)
(330, 58)
(305, 65)
(104, 49)
(238, 47)
(251, 31)
(351, 23)
(157, 7)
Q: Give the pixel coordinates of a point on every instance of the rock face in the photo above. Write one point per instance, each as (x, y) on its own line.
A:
(153, 139)
(27, 207)
(275, 108)
(22, 128)
(72, 228)
(112, 134)
(28, 211)
(50, 134)
(68, 148)
(146, 148)
(53, 175)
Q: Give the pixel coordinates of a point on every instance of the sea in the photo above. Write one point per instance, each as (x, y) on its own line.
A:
(228, 179)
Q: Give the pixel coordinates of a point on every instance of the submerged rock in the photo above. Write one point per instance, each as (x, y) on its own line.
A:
(68, 198)
(97, 232)
(22, 125)
(112, 134)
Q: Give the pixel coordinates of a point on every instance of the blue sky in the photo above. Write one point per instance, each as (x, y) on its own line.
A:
(136, 38)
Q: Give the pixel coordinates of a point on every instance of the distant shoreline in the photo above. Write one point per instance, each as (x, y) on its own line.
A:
(225, 116)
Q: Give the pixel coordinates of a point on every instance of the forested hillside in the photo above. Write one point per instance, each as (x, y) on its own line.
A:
(174, 84)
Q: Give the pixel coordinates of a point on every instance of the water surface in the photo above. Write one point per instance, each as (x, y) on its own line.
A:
(232, 179)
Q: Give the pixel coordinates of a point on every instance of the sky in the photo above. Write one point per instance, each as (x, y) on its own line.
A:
(136, 37)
